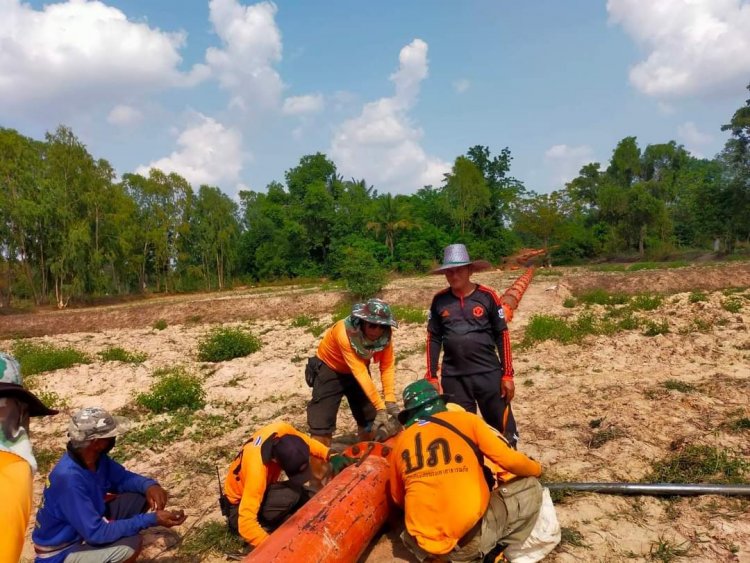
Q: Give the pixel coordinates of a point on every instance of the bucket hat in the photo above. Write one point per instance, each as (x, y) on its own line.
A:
(375, 311)
(455, 256)
(94, 422)
(11, 385)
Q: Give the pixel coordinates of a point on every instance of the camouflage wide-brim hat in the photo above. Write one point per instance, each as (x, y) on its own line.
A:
(455, 256)
(375, 311)
(95, 422)
(11, 385)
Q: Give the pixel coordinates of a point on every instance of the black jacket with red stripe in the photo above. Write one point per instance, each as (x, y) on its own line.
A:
(472, 332)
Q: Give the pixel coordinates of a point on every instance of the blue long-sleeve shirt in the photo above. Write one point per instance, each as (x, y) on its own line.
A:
(73, 509)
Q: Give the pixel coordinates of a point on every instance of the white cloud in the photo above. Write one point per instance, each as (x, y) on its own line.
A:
(461, 85)
(382, 144)
(565, 161)
(695, 47)
(251, 46)
(208, 153)
(124, 115)
(70, 55)
(692, 138)
(301, 105)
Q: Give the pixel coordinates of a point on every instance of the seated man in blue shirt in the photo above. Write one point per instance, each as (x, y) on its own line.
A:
(92, 507)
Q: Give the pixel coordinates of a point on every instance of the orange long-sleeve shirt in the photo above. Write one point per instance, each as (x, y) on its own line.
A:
(248, 485)
(339, 355)
(436, 477)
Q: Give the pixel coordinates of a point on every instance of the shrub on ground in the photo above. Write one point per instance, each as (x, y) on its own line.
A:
(222, 344)
(117, 354)
(175, 388)
(38, 358)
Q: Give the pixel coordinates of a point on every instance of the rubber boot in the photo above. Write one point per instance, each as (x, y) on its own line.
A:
(319, 467)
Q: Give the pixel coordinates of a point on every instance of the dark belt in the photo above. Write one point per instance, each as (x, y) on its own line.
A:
(468, 536)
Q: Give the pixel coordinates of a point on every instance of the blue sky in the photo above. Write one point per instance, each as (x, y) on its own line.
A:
(233, 94)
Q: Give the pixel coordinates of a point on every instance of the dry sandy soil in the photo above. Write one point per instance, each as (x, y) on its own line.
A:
(563, 392)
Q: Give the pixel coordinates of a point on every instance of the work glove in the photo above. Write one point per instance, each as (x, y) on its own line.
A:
(339, 462)
(385, 426)
(392, 408)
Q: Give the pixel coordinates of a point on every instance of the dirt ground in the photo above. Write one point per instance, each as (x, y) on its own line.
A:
(567, 397)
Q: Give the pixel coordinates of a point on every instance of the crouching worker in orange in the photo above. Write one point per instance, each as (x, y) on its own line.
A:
(255, 502)
(437, 476)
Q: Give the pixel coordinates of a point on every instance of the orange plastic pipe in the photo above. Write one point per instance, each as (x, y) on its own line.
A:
(338, 523)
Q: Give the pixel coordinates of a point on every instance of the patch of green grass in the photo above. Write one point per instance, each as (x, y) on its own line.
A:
(528, 383)
(569, 302)
(52, 400)
(602, 297)
(733, 305)
(222, 344)
(342, 310)
(699, 464)
(681, 386)
(117, 354)
(316, 329)
(740, 424)
(213, 536)
(604, 435)
(665, 551)
(658, 265)
(548, 327)
(175, 388)
(609, 268)
(547, 273)
(571, 536)
(40, 358)
(159, 324)
(302, 321)
(733, 290)
(697, 297)
(646, 302)
(46, 458)
(702, 325)
(409, 314)
(212, 426)
(154, 435)
(653, 328)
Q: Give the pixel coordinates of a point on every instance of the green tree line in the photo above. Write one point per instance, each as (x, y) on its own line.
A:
(70, 229)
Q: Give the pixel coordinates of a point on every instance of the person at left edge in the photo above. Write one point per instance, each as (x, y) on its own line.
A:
(255, 501)
(17, 462)
(92, 507)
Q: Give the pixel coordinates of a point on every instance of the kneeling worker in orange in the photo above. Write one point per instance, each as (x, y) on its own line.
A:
(255, 502)
(437, 477)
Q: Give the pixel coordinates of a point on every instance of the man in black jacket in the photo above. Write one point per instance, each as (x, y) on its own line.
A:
(467, 322)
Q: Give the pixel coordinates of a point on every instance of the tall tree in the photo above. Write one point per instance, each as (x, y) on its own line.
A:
(391, 216)
(466, 191)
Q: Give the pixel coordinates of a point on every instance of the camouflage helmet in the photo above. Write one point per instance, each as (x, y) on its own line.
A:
(375, 311)
(421, 399)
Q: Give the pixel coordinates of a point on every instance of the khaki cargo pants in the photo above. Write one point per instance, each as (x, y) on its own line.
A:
(510, 517)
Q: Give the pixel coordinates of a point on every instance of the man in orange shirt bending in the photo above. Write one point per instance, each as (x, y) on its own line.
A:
(437, 477)
(341, 367)
(255, 501)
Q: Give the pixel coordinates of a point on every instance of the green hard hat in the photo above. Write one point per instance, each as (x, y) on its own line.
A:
(420, 399)
(374, 311)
